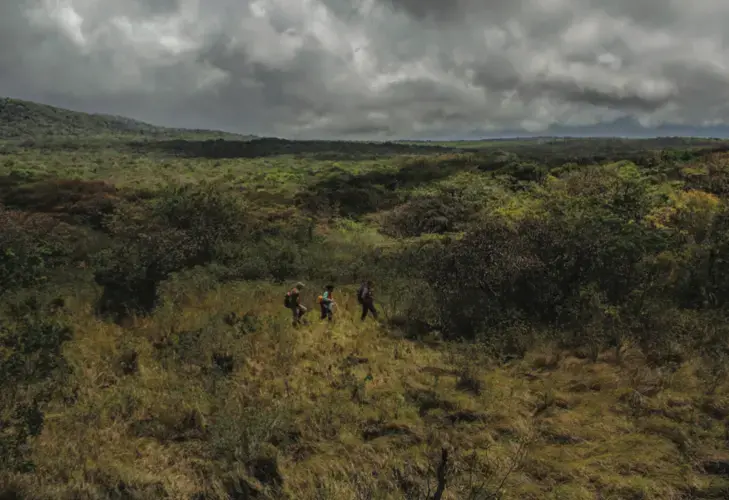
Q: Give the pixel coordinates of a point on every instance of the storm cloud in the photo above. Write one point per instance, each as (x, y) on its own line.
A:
(372, 68)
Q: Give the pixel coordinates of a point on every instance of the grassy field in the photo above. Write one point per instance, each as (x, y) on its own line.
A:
(550, 425)
(552, 317)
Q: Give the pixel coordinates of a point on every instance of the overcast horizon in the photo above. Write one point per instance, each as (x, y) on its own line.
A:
(377, 69)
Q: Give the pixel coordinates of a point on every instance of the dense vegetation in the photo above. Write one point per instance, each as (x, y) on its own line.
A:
(553, 319)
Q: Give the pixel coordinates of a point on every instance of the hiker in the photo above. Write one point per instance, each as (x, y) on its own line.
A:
(293, 302)
(326, 302)
(366, 298)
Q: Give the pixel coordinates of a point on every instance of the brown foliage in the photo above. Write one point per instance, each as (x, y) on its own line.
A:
(87, 201)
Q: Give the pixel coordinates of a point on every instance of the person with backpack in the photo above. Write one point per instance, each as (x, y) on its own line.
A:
(326, 302)
(366, 298)
(293, 301)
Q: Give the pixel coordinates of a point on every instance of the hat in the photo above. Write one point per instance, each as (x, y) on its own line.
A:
(299, 285)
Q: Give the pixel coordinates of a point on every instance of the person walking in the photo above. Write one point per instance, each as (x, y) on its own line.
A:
(293, 302)
(365, 296)
(326, 302)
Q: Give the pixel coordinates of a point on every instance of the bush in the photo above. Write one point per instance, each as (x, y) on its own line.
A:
(479, 279)
(32, 368)
(183, 228)
(86, 201)
(349, 195)
(206, 214)
(440, 214)
(560, 266)
(32, 246)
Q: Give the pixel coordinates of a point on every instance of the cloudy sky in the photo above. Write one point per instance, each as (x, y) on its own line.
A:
(373, 68)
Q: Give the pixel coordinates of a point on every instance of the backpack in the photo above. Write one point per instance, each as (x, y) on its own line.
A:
(287, 299)
(362, 292)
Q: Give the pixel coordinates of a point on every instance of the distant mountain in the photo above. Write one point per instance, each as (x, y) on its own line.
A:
(628, 128)
(23, 120)
(29, 120)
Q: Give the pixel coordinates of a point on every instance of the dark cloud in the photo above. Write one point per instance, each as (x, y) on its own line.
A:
(160, 7)
(650, 13)
(457, 10)
(372, 68)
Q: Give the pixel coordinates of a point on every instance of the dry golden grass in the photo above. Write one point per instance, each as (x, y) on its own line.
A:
(350, 411)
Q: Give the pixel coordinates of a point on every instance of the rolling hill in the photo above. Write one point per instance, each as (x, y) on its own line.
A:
(21, 120)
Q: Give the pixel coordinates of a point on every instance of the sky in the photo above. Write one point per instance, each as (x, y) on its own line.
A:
(374, 69)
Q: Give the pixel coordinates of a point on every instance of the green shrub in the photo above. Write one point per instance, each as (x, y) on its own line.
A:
(180, 229)
(32, 246)
(32, 368)
(443, 213)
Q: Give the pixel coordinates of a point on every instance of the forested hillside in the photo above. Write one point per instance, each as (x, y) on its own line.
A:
(25, 120)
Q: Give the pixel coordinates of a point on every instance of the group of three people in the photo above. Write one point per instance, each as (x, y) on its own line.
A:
(326, 302)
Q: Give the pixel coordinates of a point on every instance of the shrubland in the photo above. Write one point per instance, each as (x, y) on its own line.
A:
(548, 328)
